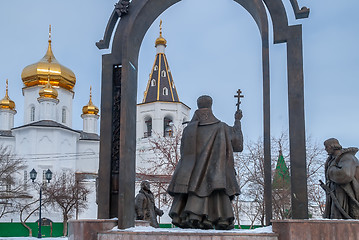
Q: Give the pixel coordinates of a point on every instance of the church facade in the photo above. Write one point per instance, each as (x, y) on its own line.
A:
(47, 140)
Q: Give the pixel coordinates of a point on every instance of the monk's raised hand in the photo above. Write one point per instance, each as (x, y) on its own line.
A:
(238, 115)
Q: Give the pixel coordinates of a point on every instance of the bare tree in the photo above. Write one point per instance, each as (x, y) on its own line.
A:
(67, 192)
(11, 189)
(250, 174)
(316, 157)
(250, 168)
(166, 152)
(162, 157)
(27, 208)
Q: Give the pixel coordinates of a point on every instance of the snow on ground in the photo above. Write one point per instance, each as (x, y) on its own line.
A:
(151, 229)
(31, 238)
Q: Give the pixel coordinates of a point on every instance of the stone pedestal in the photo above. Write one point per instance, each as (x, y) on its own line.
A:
(179, 234)
(142, 223)
(316, 229)
(87, 229)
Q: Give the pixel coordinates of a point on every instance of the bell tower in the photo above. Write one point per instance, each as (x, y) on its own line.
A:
(161, 109)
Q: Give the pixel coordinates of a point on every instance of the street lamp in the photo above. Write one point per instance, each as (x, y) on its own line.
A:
(48, 176)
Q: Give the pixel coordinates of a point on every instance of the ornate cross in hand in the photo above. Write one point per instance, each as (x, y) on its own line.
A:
(238, 96)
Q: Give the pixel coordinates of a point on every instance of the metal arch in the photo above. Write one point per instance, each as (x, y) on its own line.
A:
(121, 9)
(279, 17)
(292, 35)
(279, 20)
(276, 8)
(125, 48)
(138, 22)
(257, 9)
(299, 13)
(105, 42)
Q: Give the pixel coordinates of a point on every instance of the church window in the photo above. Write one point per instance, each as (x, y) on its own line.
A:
(63, 115)
(163, 73)
(165, 91)
(167, 127)
(32, 114)
(153, 82)
(148, 130)
(25, 180)
(155, 68)
(44, 176)
(64, 178)
(8, 184)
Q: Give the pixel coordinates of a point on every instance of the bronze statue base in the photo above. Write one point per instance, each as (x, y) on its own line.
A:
(185, 235)
(291, 229)
(89, 228)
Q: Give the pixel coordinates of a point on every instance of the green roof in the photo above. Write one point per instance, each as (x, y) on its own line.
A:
(281, 179)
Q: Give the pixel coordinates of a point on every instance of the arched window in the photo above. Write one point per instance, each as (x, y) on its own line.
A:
(153, 82)
(155, 68)
(32, 114)
(148, 129)
(8, 181)
(63, 115)
(163, 73)
(165, 91)
(25, 180)
(167, 127)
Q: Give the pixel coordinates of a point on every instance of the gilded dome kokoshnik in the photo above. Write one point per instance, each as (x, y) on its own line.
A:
(90, 108)
(37, 73)
(6, 102)
(48, 91)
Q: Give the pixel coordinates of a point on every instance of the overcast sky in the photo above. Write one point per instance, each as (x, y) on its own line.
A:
(213, 47)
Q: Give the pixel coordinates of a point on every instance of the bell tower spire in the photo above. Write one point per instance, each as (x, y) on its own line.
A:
(160, 86)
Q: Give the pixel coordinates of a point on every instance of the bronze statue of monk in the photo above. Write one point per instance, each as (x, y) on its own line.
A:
(204, 181)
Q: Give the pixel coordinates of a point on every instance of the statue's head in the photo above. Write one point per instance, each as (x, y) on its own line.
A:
(145, 185)
(204, 101)
(331, 145)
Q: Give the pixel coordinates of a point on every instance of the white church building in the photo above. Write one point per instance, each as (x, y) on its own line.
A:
(47, 140)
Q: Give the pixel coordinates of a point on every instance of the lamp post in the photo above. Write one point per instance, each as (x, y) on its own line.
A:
(48, 176)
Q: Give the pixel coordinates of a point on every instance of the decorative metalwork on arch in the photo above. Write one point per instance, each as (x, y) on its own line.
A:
(119, 90)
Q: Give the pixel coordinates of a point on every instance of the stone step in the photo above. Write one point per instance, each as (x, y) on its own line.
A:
(148, 233)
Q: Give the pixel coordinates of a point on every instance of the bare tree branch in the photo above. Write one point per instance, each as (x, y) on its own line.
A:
(11, 190)
(67, 191)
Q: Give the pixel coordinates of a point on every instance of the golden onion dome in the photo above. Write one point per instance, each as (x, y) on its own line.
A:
(6, 102)
(36, 74)
(48, 91)
(90, 108)
(160, 40)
